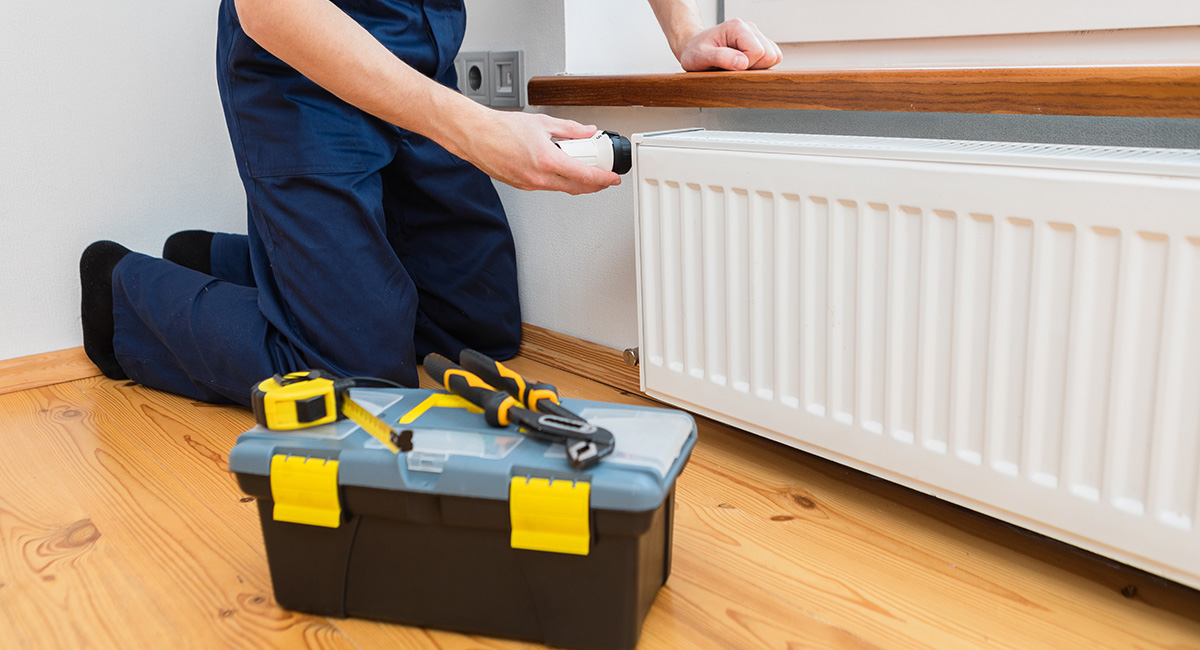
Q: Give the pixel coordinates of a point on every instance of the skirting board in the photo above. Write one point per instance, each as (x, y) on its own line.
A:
(568, 353)
(592, 360)
(45, 369)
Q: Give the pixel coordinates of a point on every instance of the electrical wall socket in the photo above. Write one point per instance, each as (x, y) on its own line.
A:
(492, 78)
(473, 75)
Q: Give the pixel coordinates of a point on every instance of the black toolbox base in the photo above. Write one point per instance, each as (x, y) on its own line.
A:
(446, 563)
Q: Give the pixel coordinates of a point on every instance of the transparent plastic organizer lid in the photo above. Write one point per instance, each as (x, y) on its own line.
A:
(433, 447)
(374, 400)
(644, 438)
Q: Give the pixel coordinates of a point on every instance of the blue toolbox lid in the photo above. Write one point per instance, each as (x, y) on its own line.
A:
(456, 453)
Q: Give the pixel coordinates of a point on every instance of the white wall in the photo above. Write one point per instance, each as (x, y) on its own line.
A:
(534, 26)
(616, 36)
(110, 128)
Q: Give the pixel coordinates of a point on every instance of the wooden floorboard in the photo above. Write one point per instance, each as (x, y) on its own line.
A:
(112, 549)
(121, 527)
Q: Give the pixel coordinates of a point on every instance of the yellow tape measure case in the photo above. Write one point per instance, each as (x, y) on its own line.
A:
(297, 400)
(480, 530)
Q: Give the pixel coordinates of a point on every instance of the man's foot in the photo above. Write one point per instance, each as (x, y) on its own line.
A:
(191, 249)
(95, 277)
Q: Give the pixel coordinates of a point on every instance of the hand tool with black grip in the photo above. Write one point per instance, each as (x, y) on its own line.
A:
(535, 396)
(586, 444)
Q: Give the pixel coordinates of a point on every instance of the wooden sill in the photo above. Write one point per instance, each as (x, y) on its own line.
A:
(1132, 91)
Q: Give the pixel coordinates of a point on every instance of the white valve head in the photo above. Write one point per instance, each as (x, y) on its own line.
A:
(606, 150)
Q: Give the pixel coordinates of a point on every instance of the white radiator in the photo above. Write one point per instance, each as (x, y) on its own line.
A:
(1011, 327)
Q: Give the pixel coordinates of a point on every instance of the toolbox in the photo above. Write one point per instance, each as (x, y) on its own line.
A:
(475, 529)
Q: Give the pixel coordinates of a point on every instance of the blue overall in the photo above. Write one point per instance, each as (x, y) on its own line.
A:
(368, 246)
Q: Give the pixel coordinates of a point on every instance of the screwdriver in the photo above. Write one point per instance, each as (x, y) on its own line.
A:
(534, 396)
(586, 444)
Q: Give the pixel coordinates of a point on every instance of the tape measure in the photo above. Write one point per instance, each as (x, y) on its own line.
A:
(310, 397)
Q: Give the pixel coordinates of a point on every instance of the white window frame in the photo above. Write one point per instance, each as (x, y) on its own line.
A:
(811, 21)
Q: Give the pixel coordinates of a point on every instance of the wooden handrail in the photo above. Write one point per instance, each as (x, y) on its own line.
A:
(1128, 91)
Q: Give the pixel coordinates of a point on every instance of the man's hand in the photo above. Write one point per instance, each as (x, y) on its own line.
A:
(732, 45)
(516, 148)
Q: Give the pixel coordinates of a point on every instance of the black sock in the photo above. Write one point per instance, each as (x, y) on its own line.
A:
(191, 249)
(95, 278)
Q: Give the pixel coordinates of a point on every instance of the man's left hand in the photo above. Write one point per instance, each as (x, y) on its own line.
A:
(733, 45)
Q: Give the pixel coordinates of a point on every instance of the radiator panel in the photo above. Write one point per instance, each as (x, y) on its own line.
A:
(1004, 326)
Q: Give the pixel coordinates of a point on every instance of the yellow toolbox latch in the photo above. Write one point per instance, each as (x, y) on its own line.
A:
(550, 515)
(305, 490)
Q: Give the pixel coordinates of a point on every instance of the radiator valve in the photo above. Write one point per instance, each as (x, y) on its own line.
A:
(606, 150)
(631, 357)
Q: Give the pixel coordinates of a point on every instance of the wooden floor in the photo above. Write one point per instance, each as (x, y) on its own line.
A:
(121, 527)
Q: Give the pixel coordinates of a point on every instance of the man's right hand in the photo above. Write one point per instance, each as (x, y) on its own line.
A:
(517, 149)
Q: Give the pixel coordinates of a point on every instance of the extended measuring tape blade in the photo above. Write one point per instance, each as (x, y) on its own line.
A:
(378, 429)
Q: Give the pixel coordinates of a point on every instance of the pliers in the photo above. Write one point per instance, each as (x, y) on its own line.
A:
(533, 406)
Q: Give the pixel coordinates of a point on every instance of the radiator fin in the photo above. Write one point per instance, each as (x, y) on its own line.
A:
(872, 255)
(1009, 337)
(713, 261)
(787, 299)
(692, 276)
(1053, 274)
(1092, 341)
(971, 332)
(814, 297)
(843, 279)
(901, 315)
(936, 327)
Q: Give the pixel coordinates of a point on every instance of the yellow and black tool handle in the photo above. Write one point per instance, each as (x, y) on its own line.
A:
(497, 406)
(533, 395)
(585, 443)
